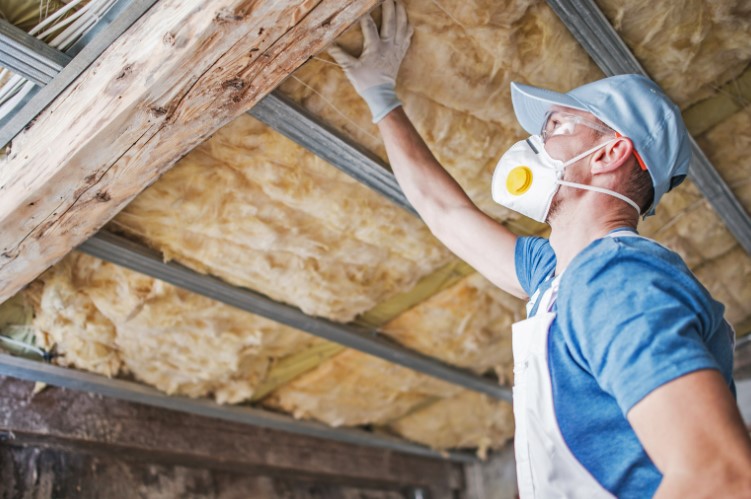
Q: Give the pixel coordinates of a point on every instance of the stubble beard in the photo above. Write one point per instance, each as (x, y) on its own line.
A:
(555, 205)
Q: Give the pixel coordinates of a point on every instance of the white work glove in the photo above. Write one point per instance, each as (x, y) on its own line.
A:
(374, 73)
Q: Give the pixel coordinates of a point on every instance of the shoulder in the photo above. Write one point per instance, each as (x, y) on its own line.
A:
(632, 262)
(632, 314)
(621, 280)
(534, 261)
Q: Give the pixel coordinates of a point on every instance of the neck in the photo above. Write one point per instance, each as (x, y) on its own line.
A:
(574, 230)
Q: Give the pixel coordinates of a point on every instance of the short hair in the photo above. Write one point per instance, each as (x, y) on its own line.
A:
(638, 186)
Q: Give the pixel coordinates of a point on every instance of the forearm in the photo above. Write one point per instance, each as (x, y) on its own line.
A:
(427, 185)
(708, 485)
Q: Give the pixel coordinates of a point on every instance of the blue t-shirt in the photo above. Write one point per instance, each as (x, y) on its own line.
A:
(630, 317)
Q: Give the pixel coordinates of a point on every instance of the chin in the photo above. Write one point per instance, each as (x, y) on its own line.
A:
(555, 205)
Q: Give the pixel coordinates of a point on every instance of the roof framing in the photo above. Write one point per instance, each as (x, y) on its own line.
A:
(128, 254)
(582, 17)
(302, 127)
(136, 392)
(594, 32)
(298, 124)
(206, 64)
(28, 57)
(121, 16)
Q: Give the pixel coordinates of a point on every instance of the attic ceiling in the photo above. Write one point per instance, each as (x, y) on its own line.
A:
(256, 210)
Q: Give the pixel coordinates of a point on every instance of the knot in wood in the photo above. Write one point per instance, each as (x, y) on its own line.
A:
(226, 15)
(236, 83)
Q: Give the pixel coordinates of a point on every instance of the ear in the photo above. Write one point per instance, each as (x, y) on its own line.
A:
(612, 156)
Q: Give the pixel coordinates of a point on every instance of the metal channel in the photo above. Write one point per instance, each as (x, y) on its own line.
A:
(592, 30)
(298, 124)
(134, 256)
(29, 57)
(275, 110)
(32, 370)
(324, 141)
(114, 23)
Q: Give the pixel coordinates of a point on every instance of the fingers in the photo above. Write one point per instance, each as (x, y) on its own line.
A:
(340, 56)
(403, 30)
(369, 33)
(388, 20)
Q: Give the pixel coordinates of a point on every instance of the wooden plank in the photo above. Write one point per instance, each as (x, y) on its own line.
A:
(432, 284)
(51, 473)
(79, 421)
(183, 70)
(494, 478)
(131, 391)
(85, 51)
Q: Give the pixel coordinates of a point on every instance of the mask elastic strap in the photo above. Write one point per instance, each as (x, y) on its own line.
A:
(585, 153)
(602, 191)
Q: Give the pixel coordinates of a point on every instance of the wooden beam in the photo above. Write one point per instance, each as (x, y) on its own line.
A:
(77, 421)
(115, 21)
(132, 391)
(183, 70)
(35, 471)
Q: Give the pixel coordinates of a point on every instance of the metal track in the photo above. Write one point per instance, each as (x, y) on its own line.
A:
(134, 256)
(301, 126)
(37, 62)
(26, 56)
(121, 16)
(593, 31)
(298, 124)
(135, 392)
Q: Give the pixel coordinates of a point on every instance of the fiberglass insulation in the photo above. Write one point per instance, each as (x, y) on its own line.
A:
(691, 47)
(454, 84)
(469, 325)
(107, 319)
(356, 389)
(256, 210)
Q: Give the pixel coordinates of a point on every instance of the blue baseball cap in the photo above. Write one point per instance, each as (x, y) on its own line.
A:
(632, 105)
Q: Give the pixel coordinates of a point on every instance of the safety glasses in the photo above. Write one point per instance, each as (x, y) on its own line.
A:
(563, 123)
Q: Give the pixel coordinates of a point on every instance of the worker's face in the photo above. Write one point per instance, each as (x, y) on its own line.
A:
(575, 135)
(562, 147)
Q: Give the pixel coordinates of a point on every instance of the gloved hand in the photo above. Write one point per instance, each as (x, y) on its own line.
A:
(374, 73)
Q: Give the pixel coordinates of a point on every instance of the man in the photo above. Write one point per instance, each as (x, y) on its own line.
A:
(623, 370)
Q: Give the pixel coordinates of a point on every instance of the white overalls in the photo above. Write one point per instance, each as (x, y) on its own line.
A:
(545, 466)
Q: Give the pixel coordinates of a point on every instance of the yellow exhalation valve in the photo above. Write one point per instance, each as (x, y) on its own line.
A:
(519, 180)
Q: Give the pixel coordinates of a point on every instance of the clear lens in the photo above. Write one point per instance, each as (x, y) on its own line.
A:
(562, 123)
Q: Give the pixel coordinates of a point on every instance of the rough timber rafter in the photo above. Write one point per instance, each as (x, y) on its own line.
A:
(182, 71)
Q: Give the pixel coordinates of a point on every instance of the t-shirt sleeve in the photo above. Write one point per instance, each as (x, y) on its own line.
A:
(534, 259)
(634, 323)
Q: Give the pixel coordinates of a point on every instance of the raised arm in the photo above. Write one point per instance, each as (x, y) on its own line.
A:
(449, 213)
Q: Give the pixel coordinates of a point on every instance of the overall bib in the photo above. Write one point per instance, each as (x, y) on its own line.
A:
(545, 466)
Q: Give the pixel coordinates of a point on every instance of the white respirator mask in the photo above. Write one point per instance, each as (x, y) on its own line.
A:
(526, 179)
